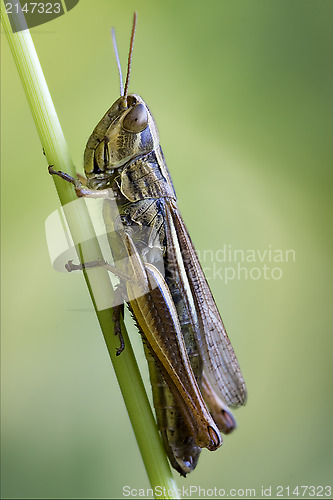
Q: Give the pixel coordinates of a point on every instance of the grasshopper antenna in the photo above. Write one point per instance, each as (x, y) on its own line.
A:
(115, 48)
(130, 55)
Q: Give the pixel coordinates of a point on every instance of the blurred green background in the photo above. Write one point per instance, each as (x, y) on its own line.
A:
(242, 94)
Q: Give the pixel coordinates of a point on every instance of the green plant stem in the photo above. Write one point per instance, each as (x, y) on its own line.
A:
(57, 154)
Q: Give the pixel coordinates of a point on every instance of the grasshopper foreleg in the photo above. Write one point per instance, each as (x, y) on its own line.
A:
(80, 190)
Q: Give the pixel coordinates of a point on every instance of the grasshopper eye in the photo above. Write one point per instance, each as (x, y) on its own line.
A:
(136, 120)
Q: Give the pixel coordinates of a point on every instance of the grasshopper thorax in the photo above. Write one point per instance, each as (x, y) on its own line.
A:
(126, 131)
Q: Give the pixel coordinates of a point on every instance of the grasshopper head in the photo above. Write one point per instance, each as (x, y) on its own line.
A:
(126, 131)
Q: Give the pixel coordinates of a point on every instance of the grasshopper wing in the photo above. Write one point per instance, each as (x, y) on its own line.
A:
(213, 342)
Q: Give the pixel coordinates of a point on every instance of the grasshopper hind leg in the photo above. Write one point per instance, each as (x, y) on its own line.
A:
(118, 313)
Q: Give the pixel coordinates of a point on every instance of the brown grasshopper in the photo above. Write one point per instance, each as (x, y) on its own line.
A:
(193, 368)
